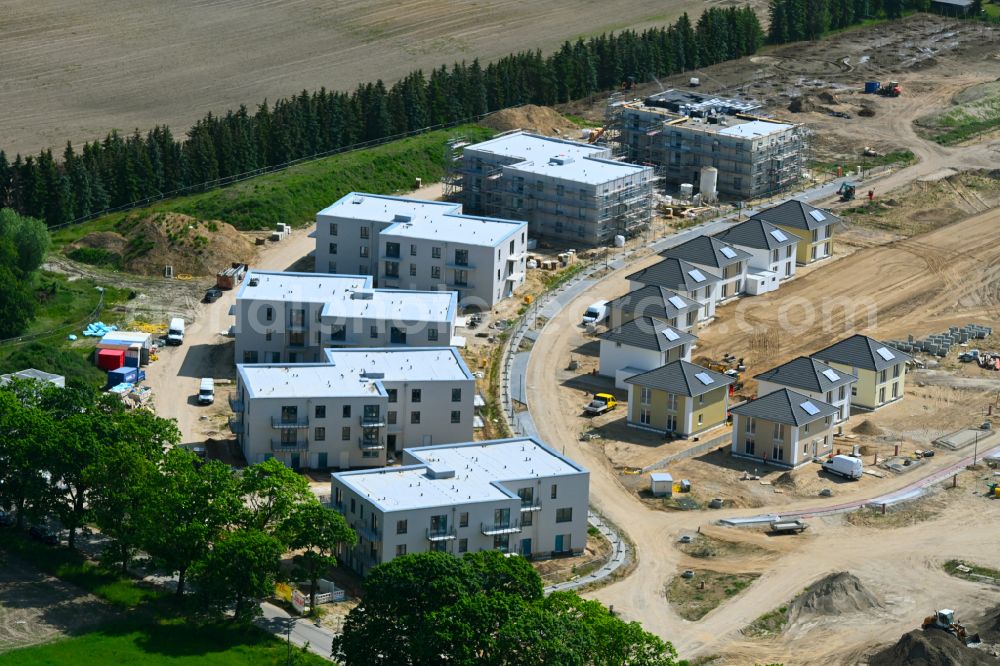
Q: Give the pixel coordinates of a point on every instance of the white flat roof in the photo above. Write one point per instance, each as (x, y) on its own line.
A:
(416, 218)
(303, 380)
(528, 146)
(478, 468)
(402, 305)
(592, 171)
(754, 128)
(395, 364)
(301, 287)
(467, 229)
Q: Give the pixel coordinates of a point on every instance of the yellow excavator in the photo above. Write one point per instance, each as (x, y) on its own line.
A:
(944, 620)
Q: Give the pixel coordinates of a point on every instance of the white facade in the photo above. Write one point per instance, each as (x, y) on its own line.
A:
(427, 245)
(780, 261)
(707, 296)
(292, 317)
(515, 495)
(839, 397)
(356, 410)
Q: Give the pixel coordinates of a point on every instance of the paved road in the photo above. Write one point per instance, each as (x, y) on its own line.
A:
(303, 632)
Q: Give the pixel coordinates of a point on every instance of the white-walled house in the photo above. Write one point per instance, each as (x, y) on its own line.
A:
(514, 495)
(812, 378)
(426, 245)
(814, 227)
(771, 249)
(640, 345)
(292, 317)
(685, 279)
(657, 302)
(355, 410)
(783, 428)
(711, 254)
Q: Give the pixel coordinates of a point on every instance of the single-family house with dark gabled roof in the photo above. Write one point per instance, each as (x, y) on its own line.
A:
(813, 378)
(708, 252)
(772, 251)
(641, 345)
(784, 428)
(684, 278)
(659, 303)
(813, 225)
(680, 399)
(880, 369)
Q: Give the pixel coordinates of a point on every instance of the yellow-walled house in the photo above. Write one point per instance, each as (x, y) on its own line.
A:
(679, 398)
(813, 225)
(880, 369)
(784, 428)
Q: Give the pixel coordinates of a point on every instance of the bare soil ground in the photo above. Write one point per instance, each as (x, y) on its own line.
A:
(74, 69)
(560, 569)
(37, 608)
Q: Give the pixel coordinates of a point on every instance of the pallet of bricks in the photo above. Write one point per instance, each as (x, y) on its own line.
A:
(940, 345)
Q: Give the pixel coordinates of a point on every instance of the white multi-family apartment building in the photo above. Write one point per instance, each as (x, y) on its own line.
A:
(512, 495)
(567, 191)
(356, 410)
(292, 317)
(430, 245)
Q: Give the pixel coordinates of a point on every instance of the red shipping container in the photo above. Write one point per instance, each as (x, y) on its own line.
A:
(110, 359)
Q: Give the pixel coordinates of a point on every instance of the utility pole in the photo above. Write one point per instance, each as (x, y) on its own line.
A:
(288, 640)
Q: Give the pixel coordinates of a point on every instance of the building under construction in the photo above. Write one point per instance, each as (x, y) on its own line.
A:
(567, 191)
(716, 144)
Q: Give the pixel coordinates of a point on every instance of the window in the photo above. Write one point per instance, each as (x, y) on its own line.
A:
(701, 399)
(268, 313)
(338, 333)
(333, 248)
(373, 331)
(501, 542)
(463, 519)
(320, 411)
(390, 418)
(267, 336)
(788, 252)
(345, 433)
(435, 253)
(400, 549)
(671, 423)
(895, 370)
(393, 394)
(346, 411)
(249, 357)
(462, 257)
(432, 335)
(777, 453)
(775, 255)
(778, 433)
(882, 376)
(645, 395)
(400, 527)
(805, 428)
(701, 419)
(672, 401)
(456, 416)
(413, 270)
(690, 318)
(555, 491)
(462, 278)
(527, 519)
(415, 418)
(456, 395)
(435, 272)
(391, 269)
(829, 396)
(415, 395)
(527, 495)
(392, 250)
(352, 505)
(364, 252)
(463, 545)
(333, 228)
(289, 413)
(296, 339)
(749, 446)
(854, 390)
(564, 515)
(840, 394)
(895, 389)
(364, 232)
(645, 416)
(413, 250)
(319, 434)
(751, 425)
(397, 336)
(439, 524)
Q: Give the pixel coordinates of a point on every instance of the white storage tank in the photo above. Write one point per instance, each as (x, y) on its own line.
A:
(709, 183)
(687, 189)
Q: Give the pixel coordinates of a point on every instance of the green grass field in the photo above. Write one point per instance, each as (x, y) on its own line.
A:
(976, 111)
(164, 642)
(295, 195)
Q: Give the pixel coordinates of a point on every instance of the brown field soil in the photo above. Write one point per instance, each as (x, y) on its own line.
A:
(560, 569)
(695, 597)
(74, 69)
(540, 119)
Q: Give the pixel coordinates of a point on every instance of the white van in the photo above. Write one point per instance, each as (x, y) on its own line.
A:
(595, 314)
(175, 332)
(845, 466)
(206, 394)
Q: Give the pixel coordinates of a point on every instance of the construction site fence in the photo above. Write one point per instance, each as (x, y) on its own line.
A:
(236, 178)
(65, 328)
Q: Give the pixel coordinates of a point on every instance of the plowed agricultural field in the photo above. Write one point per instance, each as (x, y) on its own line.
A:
(73, 69)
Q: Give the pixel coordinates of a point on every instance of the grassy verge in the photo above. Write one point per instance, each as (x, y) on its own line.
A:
(969, 571)
(693, 598)
(72, 567)
(294, 195)
(976, 111)
(895, 157)
(171, 642)
(768, 624)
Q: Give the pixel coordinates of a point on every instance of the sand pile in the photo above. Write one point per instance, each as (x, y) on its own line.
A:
(866, 427)
(833, 595)
(538, 119)
(190, 245)
(786, 480)
(801, 104)
(931, 648)
(103, 240)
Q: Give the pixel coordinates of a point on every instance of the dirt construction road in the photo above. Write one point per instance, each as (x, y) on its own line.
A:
(920, 283)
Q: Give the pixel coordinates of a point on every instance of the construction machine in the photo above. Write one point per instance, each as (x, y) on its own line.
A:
(847, 191)
(944, 620)
(890, 89)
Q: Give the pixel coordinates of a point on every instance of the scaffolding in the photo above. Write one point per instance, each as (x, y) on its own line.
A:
(453, 173)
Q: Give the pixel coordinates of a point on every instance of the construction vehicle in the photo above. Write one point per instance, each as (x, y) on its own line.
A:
(890, 89)
(789, 525)
(847, 191)
(602, 402)
(595, 135)
(944, 620)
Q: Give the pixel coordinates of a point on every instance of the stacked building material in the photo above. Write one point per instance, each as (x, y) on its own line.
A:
(940, 344)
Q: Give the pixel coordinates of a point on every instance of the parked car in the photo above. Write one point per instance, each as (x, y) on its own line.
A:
(206, 392)
(45, 534)
(212, 295)
(602, 402)
(7, 519)
(845, 466)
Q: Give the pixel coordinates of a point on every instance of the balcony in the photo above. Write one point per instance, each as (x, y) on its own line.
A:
(288, 424)
(455, 283)
(531, 506)
(460, 266)
(490, 529)
(236, 426)
(368, 444)
(394, 256)
(369, 534)
(376, 421)
(441, 535)
(235, 404)
(279, 446)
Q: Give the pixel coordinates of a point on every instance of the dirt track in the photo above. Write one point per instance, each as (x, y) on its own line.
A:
(74, 69)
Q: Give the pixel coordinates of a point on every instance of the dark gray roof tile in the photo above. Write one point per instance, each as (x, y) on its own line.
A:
(681, 377)
(860, 351)
(807, 374)
(757, 234)
(707, 251)
(648, 333)
(786, 406)
(797, 215)
(673, 273)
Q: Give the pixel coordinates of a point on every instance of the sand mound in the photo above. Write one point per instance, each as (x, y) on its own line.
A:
(866, 427)
(930, 648)
(832, 595)
(785, 479)
(539, 119)
(802, 104)
(103, 240)
(828, 98)
(190, 245)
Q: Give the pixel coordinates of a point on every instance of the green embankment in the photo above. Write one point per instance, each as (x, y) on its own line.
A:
(976, 111)
(295, 195)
